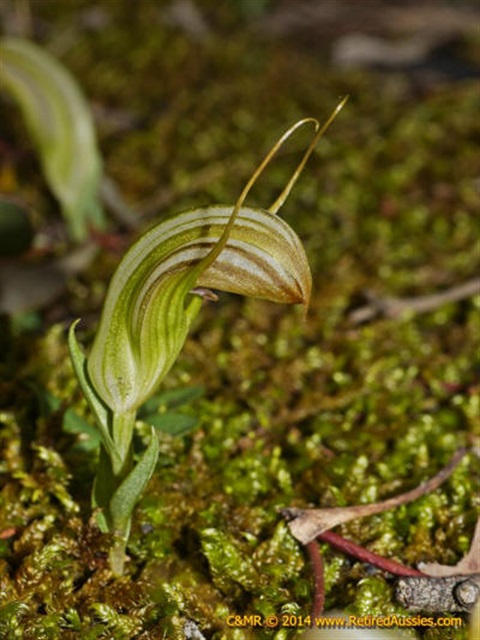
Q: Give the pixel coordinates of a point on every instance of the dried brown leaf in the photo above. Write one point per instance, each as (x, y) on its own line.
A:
(469, 564)
(307, 524)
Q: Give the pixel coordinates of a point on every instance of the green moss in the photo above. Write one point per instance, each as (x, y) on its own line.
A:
(316, 413)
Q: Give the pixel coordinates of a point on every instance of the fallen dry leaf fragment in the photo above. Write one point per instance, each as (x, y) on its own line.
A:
(469, 564)
(306, 524)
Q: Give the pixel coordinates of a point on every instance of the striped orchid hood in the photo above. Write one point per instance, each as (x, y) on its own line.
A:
(152, 302)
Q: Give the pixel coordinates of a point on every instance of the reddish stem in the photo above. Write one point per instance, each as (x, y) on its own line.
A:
(362, 554)
(319, 583)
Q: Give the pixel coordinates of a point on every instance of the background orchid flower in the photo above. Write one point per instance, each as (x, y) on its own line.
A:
(150, 305)
(60, 124)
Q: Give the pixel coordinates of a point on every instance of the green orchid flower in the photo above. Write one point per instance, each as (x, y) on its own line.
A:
(60, 124)
(150, 308)
(154, 296)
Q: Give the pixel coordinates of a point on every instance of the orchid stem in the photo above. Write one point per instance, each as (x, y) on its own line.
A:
(123, 426)
(118, 551)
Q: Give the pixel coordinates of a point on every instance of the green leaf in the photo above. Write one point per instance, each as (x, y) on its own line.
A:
(61, 126)
(100, 411)
(126, 496)
(47, 402)
(175, 424)
(103, 488)
(170, 398)
(11, 613)
(74, 423)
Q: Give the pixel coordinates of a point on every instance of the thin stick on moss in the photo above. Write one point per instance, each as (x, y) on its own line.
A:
(316, 561)
(308, 524)
(364, 555)
(394, 308)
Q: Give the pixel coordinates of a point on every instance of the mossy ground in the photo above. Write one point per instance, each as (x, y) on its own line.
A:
(294, 413)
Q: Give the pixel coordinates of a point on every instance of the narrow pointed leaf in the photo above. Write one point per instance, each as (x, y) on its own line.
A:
(307, 524)
(170, 399)
(103, 488)
(175, 424)
(95, 403)
(61, 125)
(74, 423)
(128, 493)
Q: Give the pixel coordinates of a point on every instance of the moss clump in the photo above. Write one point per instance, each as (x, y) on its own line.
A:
(321, 413)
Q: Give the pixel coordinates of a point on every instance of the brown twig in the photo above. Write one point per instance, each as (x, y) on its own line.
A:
(364, 555)
(318, 578)
(397, 307)
(351, 549)
(457, 593)
(307, 524)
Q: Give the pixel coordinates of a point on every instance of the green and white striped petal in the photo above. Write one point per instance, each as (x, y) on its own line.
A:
(263, 258)
(149, 306)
